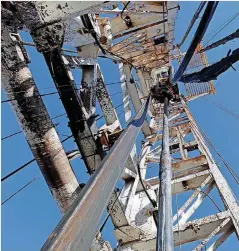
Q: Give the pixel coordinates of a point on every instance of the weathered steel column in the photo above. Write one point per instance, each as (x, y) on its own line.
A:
(35, 122)
(133, 93)
(49, 40)
(144, 85)
(165, 225)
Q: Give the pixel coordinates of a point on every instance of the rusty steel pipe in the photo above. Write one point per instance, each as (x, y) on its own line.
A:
(77, 228)
(165, 226)
(35, 122)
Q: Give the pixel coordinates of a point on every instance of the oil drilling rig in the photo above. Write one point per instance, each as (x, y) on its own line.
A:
(139, 37)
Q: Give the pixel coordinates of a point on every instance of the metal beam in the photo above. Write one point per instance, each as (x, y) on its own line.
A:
(222, 185)
(186, 215)
(221, 239)
(82, 125)
(139, 22)
(182, 184)
(134, 96)
(154, 156)
(173, 132)
(200, 228)
(211, 72)
(203, 25)
(111, 118)
(212, 234)
(77, 228)
(221, 41)
(181, 211)
(189, 232)
(88, 89)
(144, 87)
(105, 102)
(195, 17)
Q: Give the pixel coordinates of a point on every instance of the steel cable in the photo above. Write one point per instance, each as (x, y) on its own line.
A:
(195, 17)
(203, 25)
(13, 134)
(18, 191)
(27, 163)
(228, 111)
(224, 26)
(53, 93)
(232, 172)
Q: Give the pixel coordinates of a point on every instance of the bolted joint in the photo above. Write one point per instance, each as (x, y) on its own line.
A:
(49, 37)
(160, 91)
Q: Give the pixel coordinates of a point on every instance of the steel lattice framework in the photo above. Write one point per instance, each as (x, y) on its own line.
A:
(139, 37)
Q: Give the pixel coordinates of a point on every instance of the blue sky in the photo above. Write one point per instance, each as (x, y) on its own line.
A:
(29, 218)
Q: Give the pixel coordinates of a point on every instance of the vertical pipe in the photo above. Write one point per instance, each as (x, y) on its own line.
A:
(165, 227)
(19, 87)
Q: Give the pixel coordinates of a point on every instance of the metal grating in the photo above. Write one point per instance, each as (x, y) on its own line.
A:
(197, 63)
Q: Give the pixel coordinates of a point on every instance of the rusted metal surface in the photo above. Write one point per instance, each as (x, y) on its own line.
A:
(189, 174)
(182, 183)
(147, 44)
(212, 234)
(189, 232)
(173, 131)
(86, 212)
(191, 198)
(190, 163)
(40, 133)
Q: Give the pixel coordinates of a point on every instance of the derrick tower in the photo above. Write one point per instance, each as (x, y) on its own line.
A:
(147, 212)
